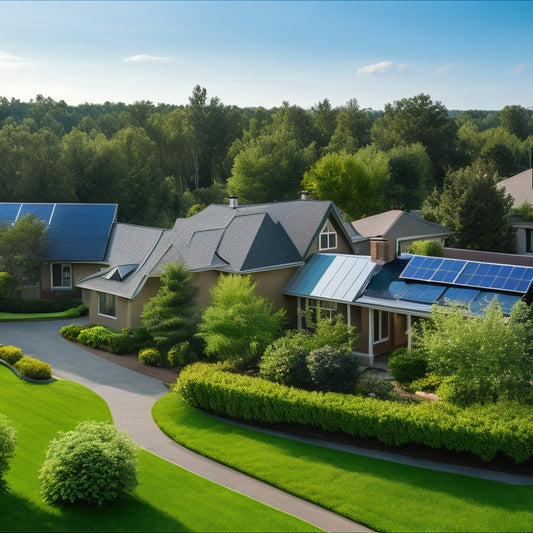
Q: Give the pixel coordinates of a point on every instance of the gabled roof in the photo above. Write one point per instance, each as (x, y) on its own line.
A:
(247, 238)
(75, 232)
(520, 187)
(397, 224)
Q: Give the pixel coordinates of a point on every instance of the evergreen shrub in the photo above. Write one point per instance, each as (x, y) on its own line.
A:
(33, 368)
(10, 354)
(72, 331)
(407, 366)
(8, 441)
(150, 356)
(94, 463)
(178, 355)
(332, 369)
(96, 337)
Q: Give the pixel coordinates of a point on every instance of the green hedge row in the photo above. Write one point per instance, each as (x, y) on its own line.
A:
(28, 367)
(40, 306)
(485, 431)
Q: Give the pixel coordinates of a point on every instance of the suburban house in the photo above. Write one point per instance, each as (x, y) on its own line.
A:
(520, 187)
(77, 237)
(402, 227)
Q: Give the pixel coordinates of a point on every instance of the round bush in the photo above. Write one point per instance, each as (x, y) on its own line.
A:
(72, 331)
(10, 354)
(284, 361)
(121, 343)
(177, 355)
(8, 440)
(96, 337)
(33, 368)
(150, 356)
(407, 366)
(333, 369)
(94, 463)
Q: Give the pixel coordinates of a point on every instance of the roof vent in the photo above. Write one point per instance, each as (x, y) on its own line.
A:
(234, 202)
(305, 195)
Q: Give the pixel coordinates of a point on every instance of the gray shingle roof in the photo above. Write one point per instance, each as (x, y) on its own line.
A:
(520, 187)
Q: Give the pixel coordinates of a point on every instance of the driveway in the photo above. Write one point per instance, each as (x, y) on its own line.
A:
(130, 397)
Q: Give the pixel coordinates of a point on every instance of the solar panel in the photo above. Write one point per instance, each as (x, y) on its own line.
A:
(459, 296)
(43, 211)
(419, 292)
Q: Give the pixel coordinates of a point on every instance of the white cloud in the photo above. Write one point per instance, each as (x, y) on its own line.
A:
(144, 58)
(7, 61)
(378, 69)
(443, 69)
(520, 68)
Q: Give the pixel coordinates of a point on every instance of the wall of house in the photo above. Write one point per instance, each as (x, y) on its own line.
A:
(343, 247)
(397, 331)
(79, 271)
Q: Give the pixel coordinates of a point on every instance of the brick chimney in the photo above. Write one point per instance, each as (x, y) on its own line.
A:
(382, 250)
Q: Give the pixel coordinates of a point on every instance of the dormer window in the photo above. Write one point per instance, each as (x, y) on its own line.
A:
(328, 237)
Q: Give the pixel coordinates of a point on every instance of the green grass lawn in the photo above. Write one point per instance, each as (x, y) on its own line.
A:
(167, 498)
(384, 496)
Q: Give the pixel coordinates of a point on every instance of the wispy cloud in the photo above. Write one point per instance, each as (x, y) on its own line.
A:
(379, 69)
(443, 69)
(520, 67)
(7, 61)
(144, 58)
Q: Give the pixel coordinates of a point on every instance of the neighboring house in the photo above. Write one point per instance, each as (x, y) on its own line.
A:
(402, 227)
(383, 293)
(269, 241)
(77, 236)
(520, 187)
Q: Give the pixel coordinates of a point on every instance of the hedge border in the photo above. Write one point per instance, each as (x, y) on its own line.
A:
(24, 378)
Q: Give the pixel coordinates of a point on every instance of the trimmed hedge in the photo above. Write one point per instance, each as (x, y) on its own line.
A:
(40, 306)
(33, 368)
(10, 354)
(504, 428)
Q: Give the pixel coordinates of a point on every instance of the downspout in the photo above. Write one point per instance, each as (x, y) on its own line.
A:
(371, 336)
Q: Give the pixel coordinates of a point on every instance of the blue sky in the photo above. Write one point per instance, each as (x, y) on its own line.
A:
(468, 55)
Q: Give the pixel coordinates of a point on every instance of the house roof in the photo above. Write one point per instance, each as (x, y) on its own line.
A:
(239, 239)
(75, 232)
(520, 187)
(397, 224)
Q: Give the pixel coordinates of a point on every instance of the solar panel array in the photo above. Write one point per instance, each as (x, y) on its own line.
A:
(469, 273)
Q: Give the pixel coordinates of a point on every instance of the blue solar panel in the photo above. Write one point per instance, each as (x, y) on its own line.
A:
(43, 211)
(419, 292)
(459, 295)
(8, 214)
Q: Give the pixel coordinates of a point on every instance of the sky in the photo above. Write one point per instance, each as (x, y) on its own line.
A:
(464, 54)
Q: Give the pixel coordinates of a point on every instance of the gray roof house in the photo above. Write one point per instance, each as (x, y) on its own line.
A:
(402, 227)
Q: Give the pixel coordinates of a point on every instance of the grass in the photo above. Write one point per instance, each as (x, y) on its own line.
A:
(382, 495)
(167, 498)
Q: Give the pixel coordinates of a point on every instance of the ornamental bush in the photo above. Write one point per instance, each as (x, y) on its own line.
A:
(96, 337)
(332, 369)
(10, 354)
(407, 366)
(150, 356)
(33, 368)
(94, 463)
(430, 248)
(8, 441)
(72, 331)
(179, 355)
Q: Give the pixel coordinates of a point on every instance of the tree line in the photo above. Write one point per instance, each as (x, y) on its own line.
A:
(160, 162)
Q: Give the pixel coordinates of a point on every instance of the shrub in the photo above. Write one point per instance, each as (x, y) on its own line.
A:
(8, 440)
(407, 366)
(332, 332)
(94, 463)
(284, 361)
(10, 354)
(430, 248)
(429, 383)
(177, 355)
(96, 337)
(150, 356)
(332, 369)
(54, 305)
(72, 331)
(33, 368)
(121, 343)
(376, 387)
(8, 284)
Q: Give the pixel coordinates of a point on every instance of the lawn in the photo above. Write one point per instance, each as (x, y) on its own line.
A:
(382, 495)
(167, 498)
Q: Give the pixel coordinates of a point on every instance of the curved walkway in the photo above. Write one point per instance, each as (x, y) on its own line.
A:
(130, 397)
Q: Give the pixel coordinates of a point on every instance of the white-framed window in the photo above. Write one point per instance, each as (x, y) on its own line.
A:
(324, 307)
(107, 304)
(381, 326)
(61, 275)
(328, 237)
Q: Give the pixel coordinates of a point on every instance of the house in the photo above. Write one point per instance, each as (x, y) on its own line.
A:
(402, 227)
(269, 241)
(77, 237)
(520, 187)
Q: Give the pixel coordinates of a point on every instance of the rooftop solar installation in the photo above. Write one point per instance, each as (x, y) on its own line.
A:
(469, 274)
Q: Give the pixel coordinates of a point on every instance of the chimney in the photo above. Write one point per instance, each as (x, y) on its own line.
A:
(305, 195)
(234, 202)
(382, 250)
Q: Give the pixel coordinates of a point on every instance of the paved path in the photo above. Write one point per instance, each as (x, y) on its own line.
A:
(130, 397)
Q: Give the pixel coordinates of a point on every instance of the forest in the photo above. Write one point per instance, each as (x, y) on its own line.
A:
(159, 162)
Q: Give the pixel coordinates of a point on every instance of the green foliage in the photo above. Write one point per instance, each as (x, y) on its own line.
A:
(8, 441)
(239, 324)
(150, 356)
(429, 248)
(96, 337)
(54, 305)
(178, 355)
(485, 358)
(170, 316)
(407, 366)
(503, 428)
(72, 331)
(334, 332)
(525, 210)
(8, 284)
(10, 354)
(428, 383)
(33, 368)
(332, 369)
(94, 463)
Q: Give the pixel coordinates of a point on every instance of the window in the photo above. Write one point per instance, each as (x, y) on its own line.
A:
(107, 304)
(61, 274)
(381, 326)
(327, 309)
(328, 237)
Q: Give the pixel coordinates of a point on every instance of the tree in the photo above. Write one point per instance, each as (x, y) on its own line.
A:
(515, 119)
(484, 358)
(471, 205)
(239, 324)
(355, 182)
(22, 248)
(170, 315)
